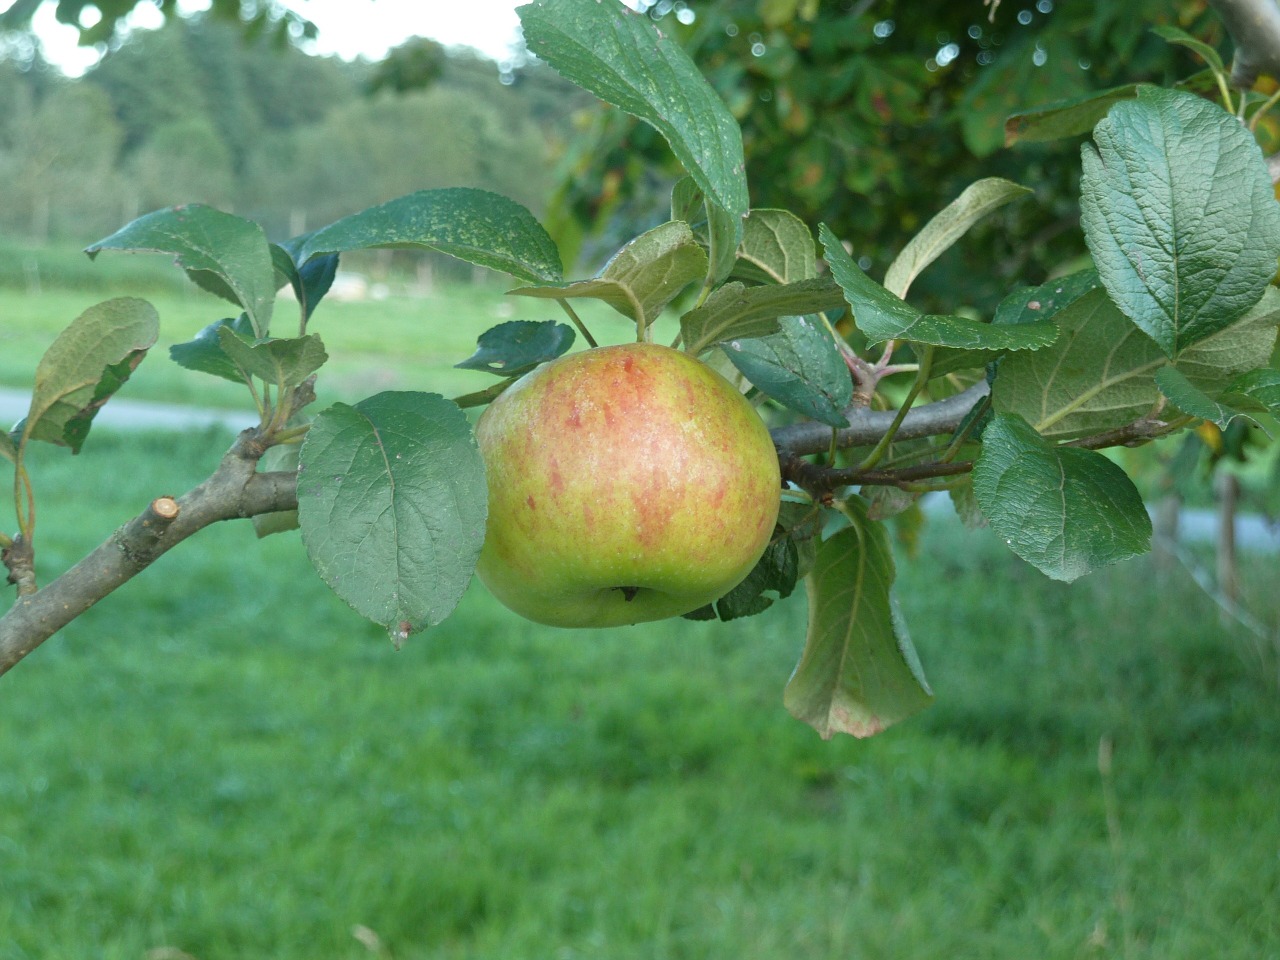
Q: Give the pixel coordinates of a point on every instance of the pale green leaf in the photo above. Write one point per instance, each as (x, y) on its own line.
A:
(85, 365)
(641, 278)
(392, 503)
(776, 247)
(948, 226)
(737, 311)
(1101, 372)
(1257, 391)
(859, 672)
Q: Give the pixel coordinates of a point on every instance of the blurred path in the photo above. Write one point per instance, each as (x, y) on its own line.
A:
(134, 414)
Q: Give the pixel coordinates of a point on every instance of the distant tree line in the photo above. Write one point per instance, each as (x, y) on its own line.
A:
(195, 111)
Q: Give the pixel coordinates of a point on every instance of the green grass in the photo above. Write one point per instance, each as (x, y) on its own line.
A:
(223, 759)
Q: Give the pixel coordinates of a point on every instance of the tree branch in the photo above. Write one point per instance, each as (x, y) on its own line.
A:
(234, 490)
(1254, 26)
(869, 426)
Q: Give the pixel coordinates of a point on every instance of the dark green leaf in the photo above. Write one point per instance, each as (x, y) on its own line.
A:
(788, 557)
(1028, 305)
(1188, 398)
(800, 367)
(948, 226)
(392, 503)
(1065, 511)
(225, 254)
(1173, 35)
(204, 352)
(736, 311)
(881, 315)
(85, 365)
(1257, 391)
(641, 278)
(477, 226)
(859, 672)
(1034, 304)
(284, 363)
(625, 59)
(310, 281)
(1178, 211)
(1073, 117)
(516, 347)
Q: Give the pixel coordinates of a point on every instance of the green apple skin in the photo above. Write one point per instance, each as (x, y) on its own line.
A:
(626, 484)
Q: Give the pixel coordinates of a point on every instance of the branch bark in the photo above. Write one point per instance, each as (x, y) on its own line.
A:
(234, 490)
(1254, 26)
(868, 426)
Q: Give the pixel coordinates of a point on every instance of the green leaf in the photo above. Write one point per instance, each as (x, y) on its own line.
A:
(514, 348)
(948, 226)
(1072, 117)
(311, 280)
(776, 247)
(285, 363)
(477, 226)
(711, 223)
(8, 449)
(788, 557)
(1257, 391)
(687, 203)
(625, 59)
(881, 315)
(1188, 398)
(392, 503)
(800, 367)
(1101, 372)
(1028, 305)
(1065, 511)
(736, 311)
(224, 254)
(284, 457)
(204, 353)
(641, 278)
(84, 366)
(859, 672)
(1178, 211)
(1210, 56)
(1034, 304)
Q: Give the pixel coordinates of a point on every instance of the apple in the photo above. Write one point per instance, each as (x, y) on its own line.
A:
(626, 484)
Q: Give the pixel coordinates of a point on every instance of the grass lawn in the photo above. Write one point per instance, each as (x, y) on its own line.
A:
(222, 761)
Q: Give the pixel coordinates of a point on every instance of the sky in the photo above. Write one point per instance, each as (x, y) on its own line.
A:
(348, 28)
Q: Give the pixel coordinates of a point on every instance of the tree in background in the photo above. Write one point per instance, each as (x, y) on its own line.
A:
(198, 111)
(863, 115)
